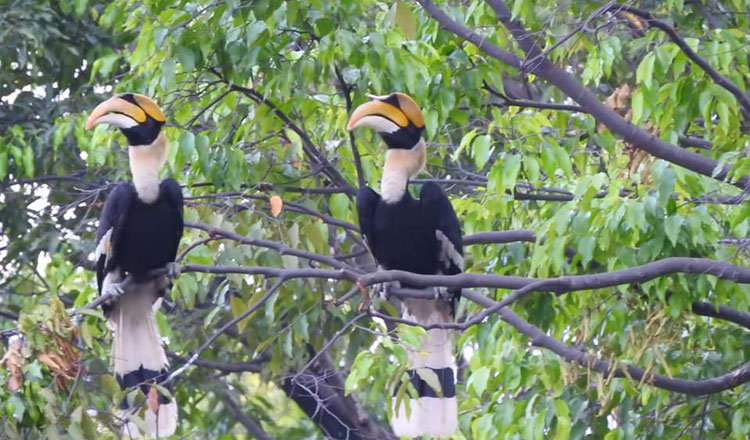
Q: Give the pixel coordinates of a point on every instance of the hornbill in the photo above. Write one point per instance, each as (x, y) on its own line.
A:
(139, 231)
(421, 236)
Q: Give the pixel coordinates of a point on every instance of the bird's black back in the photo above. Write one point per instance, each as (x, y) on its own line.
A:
(143, 236)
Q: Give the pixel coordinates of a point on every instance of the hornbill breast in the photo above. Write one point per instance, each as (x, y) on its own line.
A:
(151, 232)
(405, 237)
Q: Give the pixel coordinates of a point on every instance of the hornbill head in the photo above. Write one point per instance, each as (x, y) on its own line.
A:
(137, 116)
(396, 117)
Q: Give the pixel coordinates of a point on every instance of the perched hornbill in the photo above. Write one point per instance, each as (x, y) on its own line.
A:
(422, 236)
(139, 231)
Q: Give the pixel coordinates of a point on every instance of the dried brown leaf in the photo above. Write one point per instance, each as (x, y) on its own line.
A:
(13, 360)
(276, 205)
(153, 400)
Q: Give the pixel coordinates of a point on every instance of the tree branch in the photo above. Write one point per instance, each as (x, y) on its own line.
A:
(310, 149)
(281, 248)
(586, 99)
(540, 339)
(253, 428)
(172, 376)
(253, 366)
(346, 91)
(690, 53)
(722, 312)
(563, 284)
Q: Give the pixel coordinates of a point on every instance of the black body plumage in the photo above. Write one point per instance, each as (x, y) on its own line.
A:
(403, 235)
(144, 236)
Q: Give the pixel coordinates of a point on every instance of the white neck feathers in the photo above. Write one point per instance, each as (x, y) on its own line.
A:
(145, 163)
(400, 166)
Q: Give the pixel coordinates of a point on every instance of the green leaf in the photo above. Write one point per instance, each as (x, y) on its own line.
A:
(478, 381)
(586, 247)
(644, 74)
(238, 307)
(404, 19)
(482, 151)
(339, 204)
(672, 226)
(511, 167)
(466, 140)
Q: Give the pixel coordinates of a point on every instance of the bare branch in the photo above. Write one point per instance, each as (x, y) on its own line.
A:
(722, 312)
(281, 248)
(223, 329)
(346, 91)
(310, 149)
(253, 428)
(563, 284)
(585, 98)
(690, 53)
(540, 339)
(253, 366)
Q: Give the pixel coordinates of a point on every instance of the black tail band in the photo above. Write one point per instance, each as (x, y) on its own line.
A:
(143, 377)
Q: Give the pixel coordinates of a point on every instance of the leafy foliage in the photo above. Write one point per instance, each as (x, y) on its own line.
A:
(257, 96)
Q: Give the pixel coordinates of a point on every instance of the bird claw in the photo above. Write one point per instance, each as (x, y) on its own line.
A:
(384, 289)
(443, 293)
(173, 270)
(114, 291)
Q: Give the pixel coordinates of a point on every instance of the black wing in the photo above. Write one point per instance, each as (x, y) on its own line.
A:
(110, 228)
(447, 228)
(447, 232)
(171, 192)
(367, 203)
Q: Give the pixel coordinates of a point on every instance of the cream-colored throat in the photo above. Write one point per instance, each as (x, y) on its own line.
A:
(400, 166)
(145, 163)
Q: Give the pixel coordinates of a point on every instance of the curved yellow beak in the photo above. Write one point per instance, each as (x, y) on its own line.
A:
(377, 108)
(128, 105)
(397, 108)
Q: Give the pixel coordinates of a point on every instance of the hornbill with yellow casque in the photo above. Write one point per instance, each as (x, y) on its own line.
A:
(421, 236)
(139, 231)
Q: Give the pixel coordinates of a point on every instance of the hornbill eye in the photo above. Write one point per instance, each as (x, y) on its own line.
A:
(396, 117)
(137, 116)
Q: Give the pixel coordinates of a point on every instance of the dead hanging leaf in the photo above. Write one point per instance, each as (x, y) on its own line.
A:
(619, 102)
(153, 400)
(276, 205)
(13, 360)
(619, 99)
(63, 361)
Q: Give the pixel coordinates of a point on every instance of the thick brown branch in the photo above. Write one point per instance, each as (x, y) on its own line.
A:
(563, 284)
(540, 339)
(722, 312)
(587, 100)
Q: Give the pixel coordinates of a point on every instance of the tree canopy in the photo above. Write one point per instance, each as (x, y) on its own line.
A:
(595, 153)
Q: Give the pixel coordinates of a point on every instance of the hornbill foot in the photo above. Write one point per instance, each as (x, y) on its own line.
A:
(443, 293)
(173, 270)
(384, 289)
(114, 290)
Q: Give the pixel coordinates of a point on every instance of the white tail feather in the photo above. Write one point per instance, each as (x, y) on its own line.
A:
(429, 415)
(137, 343)
(162, 424)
